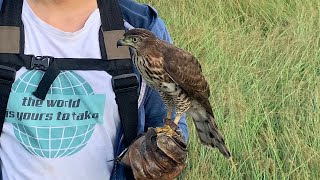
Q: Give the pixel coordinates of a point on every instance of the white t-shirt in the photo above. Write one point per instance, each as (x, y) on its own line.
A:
(71, 134)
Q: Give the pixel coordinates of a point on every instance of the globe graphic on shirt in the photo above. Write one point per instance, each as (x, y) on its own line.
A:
(52, 141)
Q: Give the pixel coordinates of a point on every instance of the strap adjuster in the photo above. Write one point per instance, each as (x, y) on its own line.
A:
(41, 62)
(125, 82)
(7, 74)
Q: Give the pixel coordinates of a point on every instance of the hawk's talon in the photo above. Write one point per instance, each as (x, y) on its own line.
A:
(166, 129)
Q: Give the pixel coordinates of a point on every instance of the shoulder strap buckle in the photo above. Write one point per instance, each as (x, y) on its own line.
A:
(41, 62)
(125, 82)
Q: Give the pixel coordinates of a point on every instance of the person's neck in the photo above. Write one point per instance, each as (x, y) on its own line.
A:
(66, 15)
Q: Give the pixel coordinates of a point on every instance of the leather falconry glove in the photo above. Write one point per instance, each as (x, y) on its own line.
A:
(157, 155)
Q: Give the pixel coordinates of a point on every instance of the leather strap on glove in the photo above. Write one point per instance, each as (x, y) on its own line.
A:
(156, 156)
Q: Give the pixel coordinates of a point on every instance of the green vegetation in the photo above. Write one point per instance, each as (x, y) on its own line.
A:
(262, 60)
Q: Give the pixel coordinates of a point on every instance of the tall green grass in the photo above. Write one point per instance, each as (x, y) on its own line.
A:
(262, 60)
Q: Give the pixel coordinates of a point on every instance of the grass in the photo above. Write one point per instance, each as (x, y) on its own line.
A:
(262, 60)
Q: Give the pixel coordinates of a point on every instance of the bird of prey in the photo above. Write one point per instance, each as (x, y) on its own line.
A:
(177, 76)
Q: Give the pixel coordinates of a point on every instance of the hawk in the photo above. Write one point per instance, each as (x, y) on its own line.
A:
(177, 76)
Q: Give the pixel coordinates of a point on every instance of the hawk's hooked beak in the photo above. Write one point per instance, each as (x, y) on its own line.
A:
(120, 42)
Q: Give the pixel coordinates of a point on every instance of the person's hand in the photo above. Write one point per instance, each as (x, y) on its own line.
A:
(156, 155)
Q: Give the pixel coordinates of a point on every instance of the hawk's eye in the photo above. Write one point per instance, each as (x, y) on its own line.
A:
(134, 39)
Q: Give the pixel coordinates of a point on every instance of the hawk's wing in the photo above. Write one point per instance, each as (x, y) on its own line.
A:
(185, 70)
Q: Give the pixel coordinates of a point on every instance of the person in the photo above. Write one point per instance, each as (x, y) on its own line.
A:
(73, 130)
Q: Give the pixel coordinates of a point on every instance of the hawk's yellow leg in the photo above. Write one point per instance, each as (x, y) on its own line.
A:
(168, 127)
(177, 119)
(169, 114)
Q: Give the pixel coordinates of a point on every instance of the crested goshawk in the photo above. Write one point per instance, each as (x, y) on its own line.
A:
(177, 75)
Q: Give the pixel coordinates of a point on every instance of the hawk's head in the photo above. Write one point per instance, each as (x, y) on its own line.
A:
(137, 39)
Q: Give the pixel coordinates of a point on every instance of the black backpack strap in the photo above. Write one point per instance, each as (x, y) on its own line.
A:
(10, 14)
(10, 42)
(125, 83)
(7, 76)
(113, 67)
(10, 27)
(125, 87)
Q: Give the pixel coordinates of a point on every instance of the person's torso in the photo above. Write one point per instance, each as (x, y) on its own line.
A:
(71, 134)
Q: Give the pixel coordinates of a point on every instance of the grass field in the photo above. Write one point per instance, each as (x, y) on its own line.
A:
(262, 60)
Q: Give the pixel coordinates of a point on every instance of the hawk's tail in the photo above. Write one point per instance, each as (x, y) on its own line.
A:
(208, 131)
